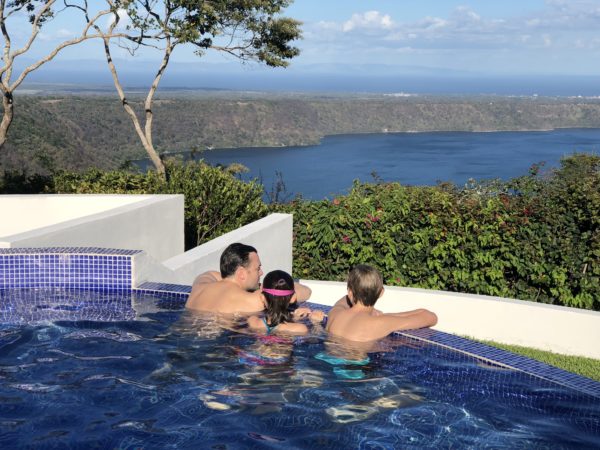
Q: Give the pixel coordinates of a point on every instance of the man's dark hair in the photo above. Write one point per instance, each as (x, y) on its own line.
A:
(234, 256)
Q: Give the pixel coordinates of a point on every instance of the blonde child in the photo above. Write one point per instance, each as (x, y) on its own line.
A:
(354, 317)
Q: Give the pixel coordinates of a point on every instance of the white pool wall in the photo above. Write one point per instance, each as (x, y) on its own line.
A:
(270, 236)
(558, 329)
(153, 223)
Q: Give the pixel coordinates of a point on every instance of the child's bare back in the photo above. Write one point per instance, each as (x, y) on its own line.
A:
(354, 317)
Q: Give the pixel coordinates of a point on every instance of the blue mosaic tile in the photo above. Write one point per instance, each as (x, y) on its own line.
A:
(508, 359)
(177, 292)
(68, 250)
(26, 268)
(33, 305)
(161, 299)
(165, 287)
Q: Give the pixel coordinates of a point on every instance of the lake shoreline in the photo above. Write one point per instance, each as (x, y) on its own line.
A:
(367, 133)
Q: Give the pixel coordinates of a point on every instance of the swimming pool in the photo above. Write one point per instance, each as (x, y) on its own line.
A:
(132, 369)
(87, 360)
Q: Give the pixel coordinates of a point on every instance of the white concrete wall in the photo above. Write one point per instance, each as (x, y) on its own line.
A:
(153, 223)
(22, 213)
(558, 329)
(271, 236)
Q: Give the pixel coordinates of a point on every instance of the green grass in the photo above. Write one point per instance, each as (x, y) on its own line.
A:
(587, 367)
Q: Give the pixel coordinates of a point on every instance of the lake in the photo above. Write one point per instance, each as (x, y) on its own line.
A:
(328, 169)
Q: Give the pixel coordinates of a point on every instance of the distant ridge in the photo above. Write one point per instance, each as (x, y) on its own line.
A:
(77, 131)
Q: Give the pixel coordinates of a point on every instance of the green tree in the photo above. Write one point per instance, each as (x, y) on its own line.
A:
(37, 12)
(250, 30)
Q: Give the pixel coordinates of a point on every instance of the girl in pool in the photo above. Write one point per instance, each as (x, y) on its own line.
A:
(278, 293)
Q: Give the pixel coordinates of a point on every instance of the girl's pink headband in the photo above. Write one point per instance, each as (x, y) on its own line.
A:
(278, 292)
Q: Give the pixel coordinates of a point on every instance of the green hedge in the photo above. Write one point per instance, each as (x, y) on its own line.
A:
(534, 238)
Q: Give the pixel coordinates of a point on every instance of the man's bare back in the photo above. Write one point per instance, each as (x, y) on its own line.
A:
(235, 288)
(211, 293)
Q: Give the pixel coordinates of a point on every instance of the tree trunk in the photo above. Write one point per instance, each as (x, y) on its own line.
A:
(145, 138)
(7, 103)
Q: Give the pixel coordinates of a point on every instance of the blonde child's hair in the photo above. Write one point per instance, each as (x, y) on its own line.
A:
(366, 284)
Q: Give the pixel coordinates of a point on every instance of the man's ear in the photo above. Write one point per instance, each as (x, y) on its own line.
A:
(350, 295)
(240, 273)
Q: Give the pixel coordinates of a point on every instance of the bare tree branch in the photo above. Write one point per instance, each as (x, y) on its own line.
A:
(37, 19)
(146, 134)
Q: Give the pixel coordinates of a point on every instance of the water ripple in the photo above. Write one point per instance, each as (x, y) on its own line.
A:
(148, 387)
(90, 358)
(115, 336)
(34, 387)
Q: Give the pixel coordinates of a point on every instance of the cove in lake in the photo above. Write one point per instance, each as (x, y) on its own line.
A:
(328, 169)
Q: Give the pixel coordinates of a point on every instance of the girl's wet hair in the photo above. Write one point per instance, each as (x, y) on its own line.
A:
(278, 305)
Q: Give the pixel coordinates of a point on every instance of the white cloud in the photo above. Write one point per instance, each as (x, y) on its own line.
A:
(370, 20)
(64, 33)
(547, 39)
(464, 13)
(431, 23)
(328, 26)
(61, 34)
(464, 36)
(124, 19)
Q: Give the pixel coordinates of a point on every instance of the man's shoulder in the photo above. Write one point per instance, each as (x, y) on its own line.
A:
(224, 297)
(204, 293)
(245, 301)
(207, 278)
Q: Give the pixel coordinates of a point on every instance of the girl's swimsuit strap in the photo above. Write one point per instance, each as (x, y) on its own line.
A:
(269, 329)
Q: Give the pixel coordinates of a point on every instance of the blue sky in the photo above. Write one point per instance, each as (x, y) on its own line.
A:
(385, 38)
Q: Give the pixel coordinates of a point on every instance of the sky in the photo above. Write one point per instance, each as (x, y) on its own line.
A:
(386, 45)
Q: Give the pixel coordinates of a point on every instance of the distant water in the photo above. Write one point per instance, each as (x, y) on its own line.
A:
(327, 169)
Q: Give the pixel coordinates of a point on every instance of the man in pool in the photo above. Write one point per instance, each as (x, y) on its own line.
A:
(236, 289)
(354, 317)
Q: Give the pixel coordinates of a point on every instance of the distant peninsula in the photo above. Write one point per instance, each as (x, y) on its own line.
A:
(80, 130)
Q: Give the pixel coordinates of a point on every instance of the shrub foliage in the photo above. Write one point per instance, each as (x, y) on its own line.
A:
(536, 237)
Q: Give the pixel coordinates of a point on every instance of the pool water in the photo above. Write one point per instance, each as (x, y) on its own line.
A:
(147, 374)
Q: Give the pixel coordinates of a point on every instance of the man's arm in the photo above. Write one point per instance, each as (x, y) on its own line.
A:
(302, 292)
(200, 283)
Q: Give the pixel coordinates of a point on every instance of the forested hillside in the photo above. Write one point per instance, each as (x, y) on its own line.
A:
(76, 132)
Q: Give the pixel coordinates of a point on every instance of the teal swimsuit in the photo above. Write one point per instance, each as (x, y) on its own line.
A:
(335, 361)
(269, 329)
(338, 366)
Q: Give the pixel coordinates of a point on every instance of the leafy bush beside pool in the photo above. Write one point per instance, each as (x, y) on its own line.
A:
(536, 237)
